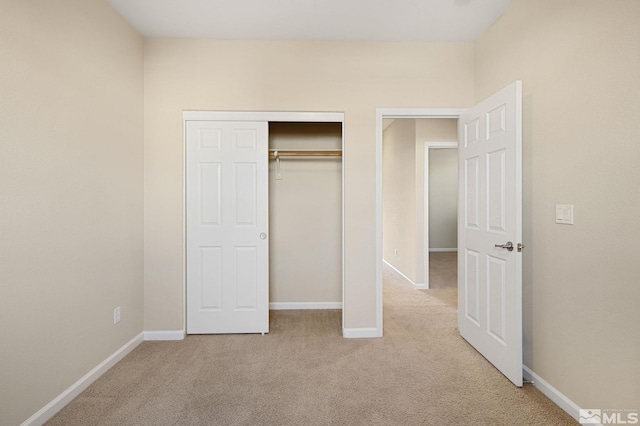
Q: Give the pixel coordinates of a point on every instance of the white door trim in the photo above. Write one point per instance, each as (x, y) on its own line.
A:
(288, 116)
(331, 117)
(382, 113)
(426, 249)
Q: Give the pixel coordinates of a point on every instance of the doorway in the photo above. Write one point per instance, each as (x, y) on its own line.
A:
(382, 117)
(440, 211)
(490, 195)
(414, 149)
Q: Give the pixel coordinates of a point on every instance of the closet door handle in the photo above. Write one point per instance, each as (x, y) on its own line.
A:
(263, 236)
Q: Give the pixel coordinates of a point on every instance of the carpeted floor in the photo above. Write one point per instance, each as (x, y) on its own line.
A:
(443, 277)
(304, 373)
(443, 270)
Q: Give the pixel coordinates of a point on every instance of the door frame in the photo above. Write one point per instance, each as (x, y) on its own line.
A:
(426, 218)
(268, 116)
(382, 113)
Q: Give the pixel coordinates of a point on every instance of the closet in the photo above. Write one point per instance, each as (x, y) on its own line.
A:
(305, 215)
(263, 217)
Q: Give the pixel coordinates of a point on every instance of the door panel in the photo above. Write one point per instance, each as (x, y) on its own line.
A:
(227, 225)
(496, 298)
(472, 191)
(490, 277)
(472, 286)
(211, 278)
(210, 192)
(245, 191)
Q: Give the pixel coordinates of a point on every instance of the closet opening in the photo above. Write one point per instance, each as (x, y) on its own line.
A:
(305, 224)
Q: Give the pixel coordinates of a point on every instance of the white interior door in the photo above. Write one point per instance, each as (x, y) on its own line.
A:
(490, 215)
(227, 224)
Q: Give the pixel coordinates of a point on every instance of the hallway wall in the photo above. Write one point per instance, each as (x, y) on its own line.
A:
(399, 214)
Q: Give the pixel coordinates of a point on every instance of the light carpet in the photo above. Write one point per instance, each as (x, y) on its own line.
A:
(304, 373)
(443, 277)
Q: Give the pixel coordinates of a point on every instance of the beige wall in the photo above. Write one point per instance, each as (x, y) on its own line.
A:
(443, 198)
(399, 197)
(579, 65)
(305, 216)
(428, 130)
(350, 77)
(71, 176)
(71, 132)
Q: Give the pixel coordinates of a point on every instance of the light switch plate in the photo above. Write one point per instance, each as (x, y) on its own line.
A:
(564, 214)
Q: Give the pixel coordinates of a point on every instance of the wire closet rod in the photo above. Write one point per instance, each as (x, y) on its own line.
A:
(304, 153)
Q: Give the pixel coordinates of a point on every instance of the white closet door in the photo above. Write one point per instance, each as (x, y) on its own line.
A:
(227, 208)
(490, 230)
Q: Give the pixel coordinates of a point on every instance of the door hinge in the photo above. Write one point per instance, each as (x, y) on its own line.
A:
(520, 247)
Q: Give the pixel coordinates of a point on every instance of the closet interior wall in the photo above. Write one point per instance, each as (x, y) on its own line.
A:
(305, 218)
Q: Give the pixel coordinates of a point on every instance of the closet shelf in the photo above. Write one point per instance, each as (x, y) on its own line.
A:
(276, 153)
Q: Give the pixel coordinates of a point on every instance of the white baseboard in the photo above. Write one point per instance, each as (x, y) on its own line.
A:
(443, 250)
(403, 277)
(283, 306)
(552, 393)
(164, 335)
(49, 410)
(361, 333)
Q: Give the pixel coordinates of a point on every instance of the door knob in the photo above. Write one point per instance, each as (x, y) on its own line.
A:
(508, 246)
(263, 236)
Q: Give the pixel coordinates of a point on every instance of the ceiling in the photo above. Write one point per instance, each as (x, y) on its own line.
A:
(345, 20)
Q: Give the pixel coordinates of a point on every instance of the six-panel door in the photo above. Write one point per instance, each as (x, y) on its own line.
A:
(490, 215)
(227, 227)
